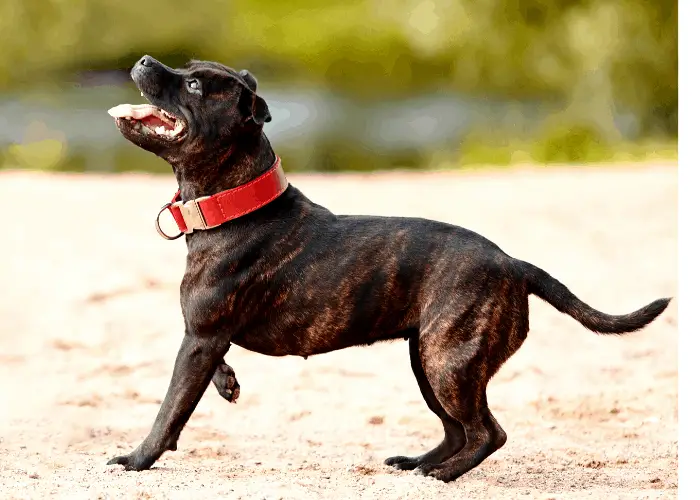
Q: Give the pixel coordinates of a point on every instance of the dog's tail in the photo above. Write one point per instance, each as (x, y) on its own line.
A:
(547, 288)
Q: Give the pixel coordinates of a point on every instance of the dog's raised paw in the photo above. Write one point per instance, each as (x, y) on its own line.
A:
(226, 384)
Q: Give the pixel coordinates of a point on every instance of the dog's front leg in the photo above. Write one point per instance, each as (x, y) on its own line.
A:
(194, 367)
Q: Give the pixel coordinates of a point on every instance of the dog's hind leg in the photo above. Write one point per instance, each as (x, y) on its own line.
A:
(454, 439)
(195, 365)
(459, 360)
(225, 382)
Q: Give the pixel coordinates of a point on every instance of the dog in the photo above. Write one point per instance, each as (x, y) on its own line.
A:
(285, 276)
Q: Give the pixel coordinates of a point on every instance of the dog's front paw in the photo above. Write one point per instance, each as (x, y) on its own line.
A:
(226, 384)
(133, 461)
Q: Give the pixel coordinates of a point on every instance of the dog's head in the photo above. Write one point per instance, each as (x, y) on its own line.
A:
(204, 106)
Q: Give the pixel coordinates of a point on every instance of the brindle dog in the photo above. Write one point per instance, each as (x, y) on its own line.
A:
(293, 278)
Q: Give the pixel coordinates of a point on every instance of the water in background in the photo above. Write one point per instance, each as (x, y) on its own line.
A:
(68, 128)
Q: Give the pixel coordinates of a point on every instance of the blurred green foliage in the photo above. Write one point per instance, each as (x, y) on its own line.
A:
(563, 147)
(623, 50)
(597, 57)
(565, 144)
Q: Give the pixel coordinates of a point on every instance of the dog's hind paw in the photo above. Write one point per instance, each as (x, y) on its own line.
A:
(226, 384)
(441, 472)
(403, 463)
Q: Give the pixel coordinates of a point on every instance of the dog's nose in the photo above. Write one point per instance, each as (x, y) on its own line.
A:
(147, 61)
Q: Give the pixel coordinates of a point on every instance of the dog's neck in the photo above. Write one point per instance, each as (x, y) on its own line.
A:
(208, 174)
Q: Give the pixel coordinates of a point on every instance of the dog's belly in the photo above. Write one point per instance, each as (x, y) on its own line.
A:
(312, 341)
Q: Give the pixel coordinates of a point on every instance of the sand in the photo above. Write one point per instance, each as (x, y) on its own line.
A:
(90, 324)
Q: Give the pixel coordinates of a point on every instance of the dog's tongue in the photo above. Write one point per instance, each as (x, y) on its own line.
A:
(137, 112)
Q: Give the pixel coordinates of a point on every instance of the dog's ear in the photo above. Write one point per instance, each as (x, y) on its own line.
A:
(249, 79)
(253, 107)
(260, 112)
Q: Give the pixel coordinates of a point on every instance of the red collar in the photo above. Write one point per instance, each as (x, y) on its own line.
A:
(207, 212)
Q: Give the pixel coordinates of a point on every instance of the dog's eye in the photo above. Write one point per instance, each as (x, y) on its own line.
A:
(193, 86)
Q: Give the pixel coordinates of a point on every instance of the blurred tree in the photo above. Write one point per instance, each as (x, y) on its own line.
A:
(591, 53)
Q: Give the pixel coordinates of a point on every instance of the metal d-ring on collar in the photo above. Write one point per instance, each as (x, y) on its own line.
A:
(158, 228)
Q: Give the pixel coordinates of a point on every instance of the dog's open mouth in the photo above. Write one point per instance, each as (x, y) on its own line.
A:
(150, 119)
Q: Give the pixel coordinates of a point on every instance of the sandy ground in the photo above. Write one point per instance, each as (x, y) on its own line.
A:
(90, 325)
